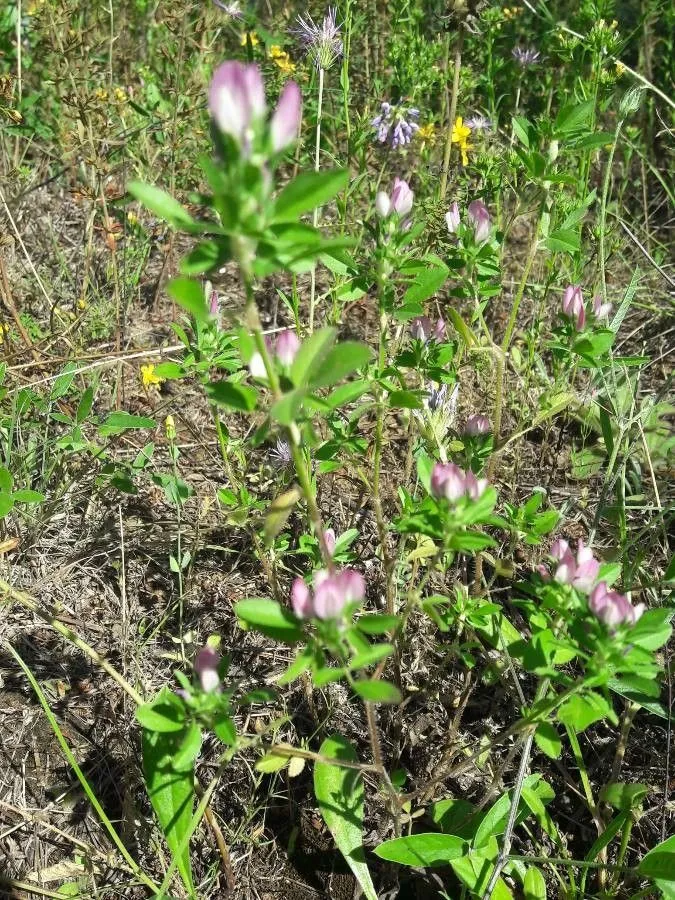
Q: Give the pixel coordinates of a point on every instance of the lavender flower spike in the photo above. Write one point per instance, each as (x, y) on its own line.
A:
(322, 43)
(396, 125)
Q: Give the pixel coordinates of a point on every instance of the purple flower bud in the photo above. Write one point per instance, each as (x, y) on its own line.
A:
(334, 592)
(206, 665)
(401, 197)
(448, 480)
(287, 117)
(559, 549)
(439, 331)
(477, 424)
(452, 218)
(383, 204)
(479, 217)
(287, 346)
(601, 310)
(237, 100)
(573, 305)
(612, 608)
(474, 487)
(581, 572)
(213, 303)
(301, 599)
(420, 328)
(329, 540)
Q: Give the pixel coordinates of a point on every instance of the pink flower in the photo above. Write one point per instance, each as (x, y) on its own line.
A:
(286, 346)
(401, 197)
(332, 593)
(452, 218)
(573, 305)
(287, 117)
(237, 99)
(329, 540)
(422, 329)
(452, 483)
(477, 424)
(479, 217)
(205, 666)
(237, 105)
(383, 204)
(301, 599)
(213, 303)
(581, 572)
(601, 310)
(612, 608)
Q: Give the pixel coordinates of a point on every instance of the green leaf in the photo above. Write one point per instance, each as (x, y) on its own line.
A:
(171, 791)
(373, 690)
(653, 629)
(161, 204)
(405, 400)
(343, 359)
(300, 664)
(579, 712)
(164, 714)
(27, 496)
(190, 295)
(339, 794)
(548, 740)
(454, 816)
(377, 623)
(659, 865)
(225, 730)
(311, 354)
(639, 690)
(307, 191)
(534, 886)
(426, 283)
(232, 395)
(286, 410)
(268, 617)
(564, 240)
(607, 836)
(624, 797)
(119, 422)
(572, 116)
(6, 479)
(6, 504)
(475, 870)
(62, 384)
(189, 748)
(422, 850)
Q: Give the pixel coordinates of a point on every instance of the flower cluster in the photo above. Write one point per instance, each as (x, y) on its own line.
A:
(460, 135)
(323, 43)
(396, 124)
(332, 592)
(574, 308)
(612, 608)
(400, 200)
(453, 483)
(478, 216)
(423, 329)
(581, 572)
(237, 106)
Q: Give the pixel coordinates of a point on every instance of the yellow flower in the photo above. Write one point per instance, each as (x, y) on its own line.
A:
(276, 52)
(285, 64)
(101, 94)
(132, 218)
(120, 95)
(460, 136)
(3, 330)
(148, 376)
(81, 304)
(427, 133)
(620, 68)
(249, 36)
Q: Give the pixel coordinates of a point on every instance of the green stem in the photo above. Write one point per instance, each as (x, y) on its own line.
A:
(315, 214)
(603, 209)
(452, 112)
